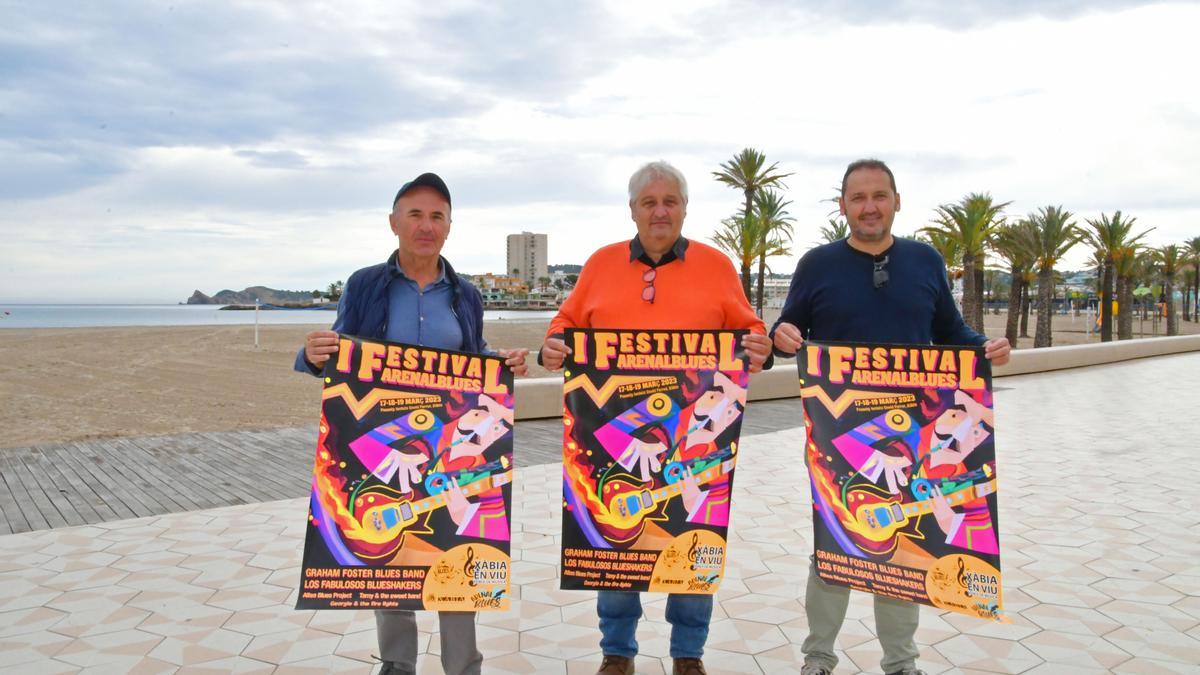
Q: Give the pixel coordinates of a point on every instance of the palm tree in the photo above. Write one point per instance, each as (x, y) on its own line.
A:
(1168, 260)
(1126, 266)
(1193, 254)
(747, 171)
(837, 230)
(1017, 244)
(1056, 235)
(970, 222)
(1133, 264)
(775, 227)
(946, 246)
(1189, 278)
(1096, 264)
(1027, 280)
(738, 237)
(1107, 235)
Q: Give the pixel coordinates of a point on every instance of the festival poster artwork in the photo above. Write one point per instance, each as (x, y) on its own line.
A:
(901, 457)
(650, 440)
(412, 484)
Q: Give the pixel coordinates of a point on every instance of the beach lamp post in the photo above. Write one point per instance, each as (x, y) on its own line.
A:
(256, 323)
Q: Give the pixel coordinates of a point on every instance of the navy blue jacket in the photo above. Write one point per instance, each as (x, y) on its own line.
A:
(833, 297)
(363, 308)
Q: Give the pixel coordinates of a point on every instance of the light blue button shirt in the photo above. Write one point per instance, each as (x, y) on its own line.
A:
(423, 316)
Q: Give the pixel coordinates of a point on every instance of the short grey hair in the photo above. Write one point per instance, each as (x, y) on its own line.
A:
(653, 171)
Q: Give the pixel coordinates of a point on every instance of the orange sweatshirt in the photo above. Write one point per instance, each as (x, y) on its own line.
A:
(700, 292)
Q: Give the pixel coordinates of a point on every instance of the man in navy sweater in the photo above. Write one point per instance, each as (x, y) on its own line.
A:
(870, 287)
(416, 298)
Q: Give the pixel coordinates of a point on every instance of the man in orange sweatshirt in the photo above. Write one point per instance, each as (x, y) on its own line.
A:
(657, 280)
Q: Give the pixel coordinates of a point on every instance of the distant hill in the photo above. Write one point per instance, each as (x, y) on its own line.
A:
(264, 295)
(569, 269)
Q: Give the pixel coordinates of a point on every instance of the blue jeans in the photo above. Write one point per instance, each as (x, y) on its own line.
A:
(689, 616)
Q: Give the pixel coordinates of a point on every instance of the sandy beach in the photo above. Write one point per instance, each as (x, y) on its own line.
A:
(64, 384)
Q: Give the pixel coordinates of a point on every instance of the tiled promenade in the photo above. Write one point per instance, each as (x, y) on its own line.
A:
(1099, 531)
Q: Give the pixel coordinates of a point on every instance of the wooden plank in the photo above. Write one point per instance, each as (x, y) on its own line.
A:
(537, 442)
(191, 457)
(94, 479)
(57, 489)
(34, 519)
(189, 496)
(103, 470)
(241, 474)
(189, 469)
(59, 456)
(305, 437)
(767, 416)
(279, 480)
(134, 463)
(197, 471)
(37, 501)
(294, 455)
(131, 487)
(14, 519)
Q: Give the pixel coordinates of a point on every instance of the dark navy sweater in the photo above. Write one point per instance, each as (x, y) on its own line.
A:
(833, 297)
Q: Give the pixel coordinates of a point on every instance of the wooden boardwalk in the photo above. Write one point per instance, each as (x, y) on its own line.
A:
(82, 482)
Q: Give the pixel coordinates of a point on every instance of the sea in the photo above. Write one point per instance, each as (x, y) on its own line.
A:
(80, 316)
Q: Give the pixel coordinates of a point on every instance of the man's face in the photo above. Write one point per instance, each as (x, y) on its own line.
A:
(718, 407)
(421, 221)
(869, 204)
(962, 428)
(658, 211)
(481, 426)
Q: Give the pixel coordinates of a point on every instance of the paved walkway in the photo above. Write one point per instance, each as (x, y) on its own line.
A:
(1099, 531)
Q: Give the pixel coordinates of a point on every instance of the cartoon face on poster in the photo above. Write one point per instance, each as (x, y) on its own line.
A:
(650, 441)
(901, 456)
(412, 484)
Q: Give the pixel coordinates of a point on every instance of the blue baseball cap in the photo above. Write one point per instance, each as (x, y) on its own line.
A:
(430, 180)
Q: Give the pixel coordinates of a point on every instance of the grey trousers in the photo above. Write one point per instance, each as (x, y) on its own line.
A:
(895, 623)
(397, 631)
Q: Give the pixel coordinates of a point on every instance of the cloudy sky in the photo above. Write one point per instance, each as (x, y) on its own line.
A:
(150, 149)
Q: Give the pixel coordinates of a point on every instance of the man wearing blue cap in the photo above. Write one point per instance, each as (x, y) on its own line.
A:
(416, 298)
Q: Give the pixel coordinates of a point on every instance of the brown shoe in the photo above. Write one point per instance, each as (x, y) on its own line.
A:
(689, 667)
(616, 665)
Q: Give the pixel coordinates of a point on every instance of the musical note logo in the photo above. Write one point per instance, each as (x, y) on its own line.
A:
(469, 566)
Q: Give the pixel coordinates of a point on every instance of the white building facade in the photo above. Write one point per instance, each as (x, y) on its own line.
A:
(527, 257)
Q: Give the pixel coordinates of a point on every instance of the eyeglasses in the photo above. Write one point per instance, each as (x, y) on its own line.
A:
(648, 292)
(880, 273)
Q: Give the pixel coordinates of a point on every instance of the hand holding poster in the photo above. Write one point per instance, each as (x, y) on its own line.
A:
(902, 461)
(411, 489)
(650, 440)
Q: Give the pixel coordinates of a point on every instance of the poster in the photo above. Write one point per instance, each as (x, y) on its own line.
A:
(901, 456)
(650, 441)
(412, 483)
